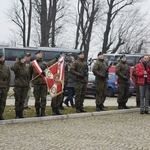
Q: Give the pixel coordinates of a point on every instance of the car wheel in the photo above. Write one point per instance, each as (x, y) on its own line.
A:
(110, 92)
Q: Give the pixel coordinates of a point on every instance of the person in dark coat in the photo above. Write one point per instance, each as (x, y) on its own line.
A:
(21, 84)
(4, 84)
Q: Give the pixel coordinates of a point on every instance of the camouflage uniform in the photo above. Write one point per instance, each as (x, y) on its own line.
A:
(100, 70)
(80, 70)
(56, 101)
(123, 73)
(21, 85)
(40, 88)
(4, 86)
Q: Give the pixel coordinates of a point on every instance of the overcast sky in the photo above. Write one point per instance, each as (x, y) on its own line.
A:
(5, 23)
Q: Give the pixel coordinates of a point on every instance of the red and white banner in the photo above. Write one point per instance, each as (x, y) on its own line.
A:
(38, 69)
(55, 78)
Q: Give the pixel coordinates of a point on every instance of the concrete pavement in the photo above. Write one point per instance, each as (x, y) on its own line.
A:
(89, 101)
(107, 130)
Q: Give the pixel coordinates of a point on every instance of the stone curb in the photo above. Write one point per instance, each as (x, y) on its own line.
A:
(68, 116)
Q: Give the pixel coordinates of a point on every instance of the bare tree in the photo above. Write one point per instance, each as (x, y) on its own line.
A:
(48, 10)
(134, 31)
(87, 11)
(19, 18)
(114, 7)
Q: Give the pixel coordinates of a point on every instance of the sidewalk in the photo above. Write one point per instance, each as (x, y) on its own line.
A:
(89, 101)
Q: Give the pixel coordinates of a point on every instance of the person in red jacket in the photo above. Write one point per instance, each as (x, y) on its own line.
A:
(143, 74)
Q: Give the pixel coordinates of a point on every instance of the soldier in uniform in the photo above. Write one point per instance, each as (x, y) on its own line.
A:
(80, 69)
(57, 100)
(100, 70)
(21, 84)
(123, 73)
(4, 84)
(40, 86)
(27, 58)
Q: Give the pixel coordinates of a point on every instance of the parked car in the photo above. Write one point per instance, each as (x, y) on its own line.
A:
(112, 85)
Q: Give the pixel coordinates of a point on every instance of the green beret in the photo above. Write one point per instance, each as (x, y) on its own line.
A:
(21, 56)
(39, 51)
(100, 53)
(57, 55)
(1, 54)
(122, 56)
(80, 52)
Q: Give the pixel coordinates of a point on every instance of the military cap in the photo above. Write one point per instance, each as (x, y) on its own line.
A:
(60, 52)
(21, 56)
(80, 52)
(100, 53)
(1, 54)
(122, 56)
(39, 51)
(57, 55)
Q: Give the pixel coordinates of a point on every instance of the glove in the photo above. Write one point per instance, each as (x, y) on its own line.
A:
(43, 73)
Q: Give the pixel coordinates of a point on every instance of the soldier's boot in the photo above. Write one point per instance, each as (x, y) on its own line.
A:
(21, 114)
(54, 112)
(120, 106)
(43, 112)
(61, 106)
(58, 112)
(101, 107)
(104, 106)
(125, 107)
(17, 114)
(137, 103)
(82, 110)
(97, 107)
(1, 117)
(78, 110)
(37, 112)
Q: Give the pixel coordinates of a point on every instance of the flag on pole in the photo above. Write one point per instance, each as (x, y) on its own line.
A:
(38, 69)
(55, 78)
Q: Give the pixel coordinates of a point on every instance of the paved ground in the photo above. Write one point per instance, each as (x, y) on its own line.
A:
(109, 130)
(125, 131)
(89, 101)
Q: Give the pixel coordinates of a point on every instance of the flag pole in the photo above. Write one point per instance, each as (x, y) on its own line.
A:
(35, 78)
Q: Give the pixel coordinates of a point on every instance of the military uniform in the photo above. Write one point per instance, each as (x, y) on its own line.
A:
(80, 70)
(100, 70)
(4, 84)
(40, 86)
(123, 73)
(21, 85)
(56, 101)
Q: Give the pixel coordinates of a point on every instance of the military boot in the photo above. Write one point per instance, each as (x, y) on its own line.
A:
(54, 113)
(120, 106)
(17, 114)
(101, 107)
(78, 110)
(125, 107)
(1, 117)
(97, 107)
(37, 112)
(43, 112)
(82, 110)
(21, 114)
(58, 112)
